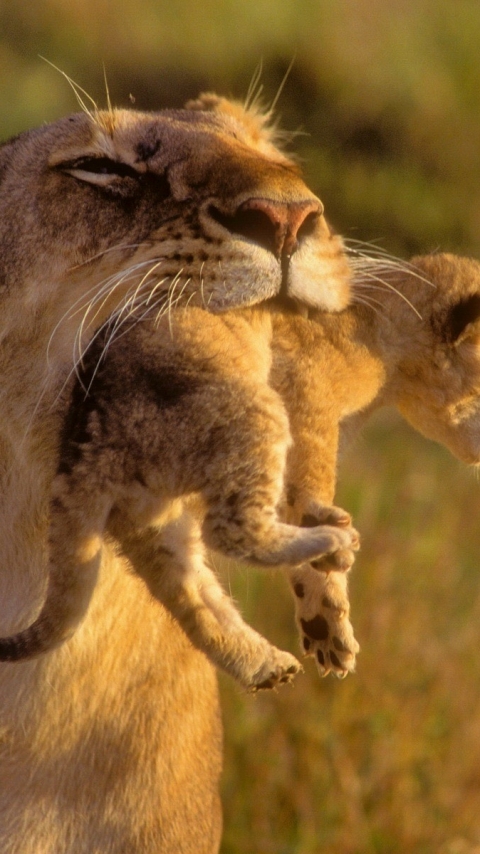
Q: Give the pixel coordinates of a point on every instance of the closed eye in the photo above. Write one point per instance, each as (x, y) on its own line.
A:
(98, 170)
(115, 177)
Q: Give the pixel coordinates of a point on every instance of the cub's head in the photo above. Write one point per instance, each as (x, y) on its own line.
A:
(437, 384)
(129, 212)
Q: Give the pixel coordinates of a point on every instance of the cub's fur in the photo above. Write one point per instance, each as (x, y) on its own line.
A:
(174, 409)
(113, 742)
(106, 462)
(420, 354)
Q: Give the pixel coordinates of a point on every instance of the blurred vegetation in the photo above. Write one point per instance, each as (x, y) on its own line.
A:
(388, 760)
(386, 95)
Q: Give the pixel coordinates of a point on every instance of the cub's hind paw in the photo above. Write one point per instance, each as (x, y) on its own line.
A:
(322, 614)
(335, 652)
(278, 669)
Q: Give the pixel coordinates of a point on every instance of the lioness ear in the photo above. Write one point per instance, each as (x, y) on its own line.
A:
(207, 101)
(463, 321)
(256, 122)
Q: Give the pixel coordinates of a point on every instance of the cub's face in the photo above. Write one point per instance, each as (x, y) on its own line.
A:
(439, 376)
(128, 211)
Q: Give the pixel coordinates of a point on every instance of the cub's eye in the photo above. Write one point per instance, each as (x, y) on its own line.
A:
(98, 170)
(463, 320)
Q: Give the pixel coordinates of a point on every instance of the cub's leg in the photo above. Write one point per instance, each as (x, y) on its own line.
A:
(300, 374)
(322, 606)
(322, 611)
(171, 560)
(245, 485)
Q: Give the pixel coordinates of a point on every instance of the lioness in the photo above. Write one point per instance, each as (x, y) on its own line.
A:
(113, 742)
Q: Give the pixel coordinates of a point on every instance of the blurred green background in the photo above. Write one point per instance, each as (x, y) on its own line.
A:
(386, 97)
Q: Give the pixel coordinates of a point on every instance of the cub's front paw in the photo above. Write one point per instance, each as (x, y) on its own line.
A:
(322, 615)
(323, 514)
(279, 668)
(315, 513)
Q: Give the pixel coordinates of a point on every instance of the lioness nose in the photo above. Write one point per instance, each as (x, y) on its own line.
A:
(276, 226)
(279, 226)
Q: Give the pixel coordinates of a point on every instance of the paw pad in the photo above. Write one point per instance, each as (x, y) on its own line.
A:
(315, 629)
(322, 614)
(278, 668)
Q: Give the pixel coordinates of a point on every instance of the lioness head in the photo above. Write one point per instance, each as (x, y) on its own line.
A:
(127, 210)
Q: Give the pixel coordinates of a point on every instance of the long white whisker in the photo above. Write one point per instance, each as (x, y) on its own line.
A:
(113, 283)
(170, 303)
(255, 88)
(202, 291)
(390, 287)
(274, 103)
(134, 305)
(77, 89)
(102, 299)
(104, 287)
(174, 303)
(153, 290)
(126, 309)
(371, 303)
(118, 248)
(385, 263)
(193, 294)
(115, 317)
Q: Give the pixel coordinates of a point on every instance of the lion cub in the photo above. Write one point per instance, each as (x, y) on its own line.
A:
(416, 348)
(167, 450)
(174, 441)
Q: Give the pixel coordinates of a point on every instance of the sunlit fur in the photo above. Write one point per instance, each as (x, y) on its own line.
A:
(416, 348)
(112, 743)
(309, 370)
(170, 409)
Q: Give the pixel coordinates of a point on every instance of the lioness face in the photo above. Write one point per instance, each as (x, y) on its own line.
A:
(127, 209)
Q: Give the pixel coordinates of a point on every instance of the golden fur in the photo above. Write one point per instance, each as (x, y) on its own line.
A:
(175, 408)
(113, 743)
(416, 348)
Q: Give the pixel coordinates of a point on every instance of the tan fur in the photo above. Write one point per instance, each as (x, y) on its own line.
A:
(125, 461)
(172, 409)
(112, 743)
(420, 353)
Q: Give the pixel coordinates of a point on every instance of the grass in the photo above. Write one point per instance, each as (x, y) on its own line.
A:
(389, 759)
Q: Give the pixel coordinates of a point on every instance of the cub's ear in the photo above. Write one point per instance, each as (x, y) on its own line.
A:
(463, 321)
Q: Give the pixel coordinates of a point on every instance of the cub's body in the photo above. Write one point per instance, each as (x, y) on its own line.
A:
(418, 349)
(156, 420)
(177, 411)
